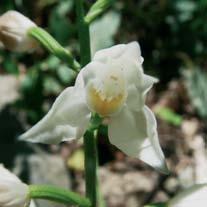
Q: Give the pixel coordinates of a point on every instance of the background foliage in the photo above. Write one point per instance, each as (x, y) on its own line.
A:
(172, 35)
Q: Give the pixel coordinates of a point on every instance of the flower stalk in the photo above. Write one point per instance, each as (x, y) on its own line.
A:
(89, 139)
(53, 46)
(58, 195)
(97, 9)
(83, 33)
(91, 166)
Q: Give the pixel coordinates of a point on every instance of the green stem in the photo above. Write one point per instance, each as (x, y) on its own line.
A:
(89, 138)
(90, 167)
(83, 33)
(57, 194)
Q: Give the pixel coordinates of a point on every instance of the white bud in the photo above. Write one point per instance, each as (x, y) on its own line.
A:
(13, 192)
(13, 32)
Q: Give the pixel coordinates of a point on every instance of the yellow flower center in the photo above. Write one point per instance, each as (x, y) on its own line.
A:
(107, 95)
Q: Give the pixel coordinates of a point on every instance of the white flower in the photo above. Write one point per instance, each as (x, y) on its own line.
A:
(13, 32)
(13, 193)
(195, 196)
(114, 86)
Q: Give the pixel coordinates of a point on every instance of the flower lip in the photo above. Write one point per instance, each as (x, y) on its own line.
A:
(106, 93)
(104, 106)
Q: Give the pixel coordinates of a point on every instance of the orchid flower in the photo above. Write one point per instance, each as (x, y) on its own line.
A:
(114, 86)
(13, 193)
(13, 32)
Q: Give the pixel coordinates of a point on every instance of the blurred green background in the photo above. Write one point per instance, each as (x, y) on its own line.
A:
(173, 39)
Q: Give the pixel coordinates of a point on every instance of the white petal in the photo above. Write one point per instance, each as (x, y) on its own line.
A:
(67, 117)
(133, 51)
(126, 56)
(195, 196)
(13, 193)
(93, 70)
(133, 70)
(109, 53)
(32, 204)
(150, 151)
(6, 174)
(135, 99)
(135, 133)
(137, 93)
(79, 82)
(127, 131)
(148, 83)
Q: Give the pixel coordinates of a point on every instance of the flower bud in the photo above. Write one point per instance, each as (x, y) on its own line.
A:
(13, 32)
(13, 193)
